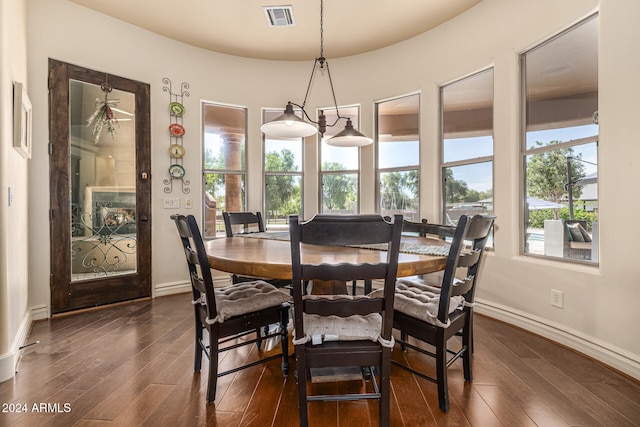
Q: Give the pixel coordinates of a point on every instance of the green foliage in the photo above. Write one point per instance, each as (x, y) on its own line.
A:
(279, 162)
(537, 217)
(581, 215)
(215, 182)
(399, 190)
(457, 191)
(338, 190)
(215, 185)
(282, 191)
(547, 174)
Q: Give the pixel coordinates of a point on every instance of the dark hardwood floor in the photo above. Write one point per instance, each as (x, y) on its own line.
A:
(132, 365)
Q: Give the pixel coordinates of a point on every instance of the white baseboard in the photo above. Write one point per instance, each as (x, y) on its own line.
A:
(171, 288)
(221, 281)
(615, 357)
(9, 361)
(179, 287)
(40, 312)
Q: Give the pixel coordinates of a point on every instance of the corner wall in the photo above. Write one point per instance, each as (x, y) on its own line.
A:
(14, 273)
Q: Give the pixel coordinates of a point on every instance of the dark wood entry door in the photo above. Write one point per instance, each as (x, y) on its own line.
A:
(100, 185)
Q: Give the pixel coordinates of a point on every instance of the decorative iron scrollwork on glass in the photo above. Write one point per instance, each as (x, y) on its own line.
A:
(104, 239)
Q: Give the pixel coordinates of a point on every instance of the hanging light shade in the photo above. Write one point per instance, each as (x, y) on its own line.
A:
(349, 137)
(288, 125)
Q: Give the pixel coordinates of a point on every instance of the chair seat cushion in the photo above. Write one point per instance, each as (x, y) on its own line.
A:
(420, 300)
(580, 245)
(336, 328)
(247, 297)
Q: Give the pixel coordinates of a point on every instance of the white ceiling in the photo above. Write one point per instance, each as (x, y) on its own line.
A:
(240, 27)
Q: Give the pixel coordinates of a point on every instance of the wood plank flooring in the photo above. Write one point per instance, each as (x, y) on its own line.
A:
(132, 365)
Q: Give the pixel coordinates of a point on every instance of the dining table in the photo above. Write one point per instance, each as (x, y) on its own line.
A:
(268, 255)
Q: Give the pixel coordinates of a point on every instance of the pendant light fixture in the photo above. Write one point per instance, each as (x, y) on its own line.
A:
(289, 125)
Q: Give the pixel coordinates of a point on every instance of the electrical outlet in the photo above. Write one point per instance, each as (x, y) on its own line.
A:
(557, 298)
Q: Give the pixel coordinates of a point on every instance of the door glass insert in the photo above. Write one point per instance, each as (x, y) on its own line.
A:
(102, 181)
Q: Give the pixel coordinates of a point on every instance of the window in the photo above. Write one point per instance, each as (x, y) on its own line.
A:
(467, 147)
(223, 164)
(340, 167)
(560, 145)
(398, 137)
(282, 177)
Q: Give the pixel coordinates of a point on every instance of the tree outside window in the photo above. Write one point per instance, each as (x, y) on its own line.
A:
(340, 168)
(282, 177)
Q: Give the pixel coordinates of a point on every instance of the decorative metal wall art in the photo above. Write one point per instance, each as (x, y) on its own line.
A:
(176, 132)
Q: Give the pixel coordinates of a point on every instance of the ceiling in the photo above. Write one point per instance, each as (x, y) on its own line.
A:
(350, 27)
(240, 27)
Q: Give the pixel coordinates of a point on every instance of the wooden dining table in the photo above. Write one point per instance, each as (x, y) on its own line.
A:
(271, 258)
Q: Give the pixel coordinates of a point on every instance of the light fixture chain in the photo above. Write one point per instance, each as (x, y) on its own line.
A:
(333, 93)
(289, 125)
(306, 95)
(321, 28)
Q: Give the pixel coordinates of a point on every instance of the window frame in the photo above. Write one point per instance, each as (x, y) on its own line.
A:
(417, 167)
(471, 160)
(355, 119)
(207, 171)
(526, 152)
(265, 173)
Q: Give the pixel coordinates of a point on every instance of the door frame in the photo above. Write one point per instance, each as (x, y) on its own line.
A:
(65, 294)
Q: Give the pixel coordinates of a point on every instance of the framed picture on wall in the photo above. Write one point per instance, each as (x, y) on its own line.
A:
(21, 120)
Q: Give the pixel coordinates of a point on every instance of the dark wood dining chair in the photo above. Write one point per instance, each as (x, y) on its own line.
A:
(243, 222)
(237, 223)
(344, 330)
(413, 228)
(434, 314)
(409, 228)
(230, 312)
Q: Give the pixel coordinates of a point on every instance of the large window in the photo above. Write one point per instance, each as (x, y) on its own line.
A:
(398, 160)
(560, 145)
(223, 164)
(467, 146)
(339, 167)
(282, 177)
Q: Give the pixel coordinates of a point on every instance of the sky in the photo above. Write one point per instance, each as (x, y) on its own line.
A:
(479, 176)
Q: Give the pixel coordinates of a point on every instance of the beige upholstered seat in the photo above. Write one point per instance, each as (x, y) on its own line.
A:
(336, 328)
(421, 300)
(247, 297)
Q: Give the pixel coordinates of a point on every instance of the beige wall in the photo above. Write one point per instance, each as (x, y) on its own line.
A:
(14, 274)
(494, 33)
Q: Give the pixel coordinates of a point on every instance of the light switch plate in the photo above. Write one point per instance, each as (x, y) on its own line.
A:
(171, 203)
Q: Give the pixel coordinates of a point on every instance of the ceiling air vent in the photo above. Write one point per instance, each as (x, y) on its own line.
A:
(279, 16)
